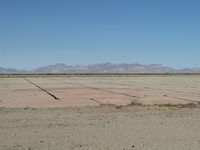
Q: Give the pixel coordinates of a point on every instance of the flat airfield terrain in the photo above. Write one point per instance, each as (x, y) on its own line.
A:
(137, 112)
(95, 90)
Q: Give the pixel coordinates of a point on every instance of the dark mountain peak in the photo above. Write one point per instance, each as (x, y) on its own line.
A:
(104, 68)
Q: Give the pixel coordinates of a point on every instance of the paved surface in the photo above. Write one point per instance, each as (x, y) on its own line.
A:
(91, 91)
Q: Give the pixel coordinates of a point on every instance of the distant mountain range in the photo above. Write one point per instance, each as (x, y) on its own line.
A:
(104, 68)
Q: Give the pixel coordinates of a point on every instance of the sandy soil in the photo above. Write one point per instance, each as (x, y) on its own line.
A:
(95, 128)
(32, 119)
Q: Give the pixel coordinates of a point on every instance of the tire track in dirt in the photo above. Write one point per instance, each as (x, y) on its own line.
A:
(172, 91)
(184, 99)
(56, 98)
(155, 88)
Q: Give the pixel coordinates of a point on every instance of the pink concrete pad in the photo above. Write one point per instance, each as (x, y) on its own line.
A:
(19, 93)
(81, 93)
(37, 98)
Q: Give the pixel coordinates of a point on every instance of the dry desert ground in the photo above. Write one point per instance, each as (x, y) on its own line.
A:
(113, 112)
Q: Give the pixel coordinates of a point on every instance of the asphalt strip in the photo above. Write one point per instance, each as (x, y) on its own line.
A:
(56, 98)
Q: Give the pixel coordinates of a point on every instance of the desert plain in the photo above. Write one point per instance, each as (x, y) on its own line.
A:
(100, 112)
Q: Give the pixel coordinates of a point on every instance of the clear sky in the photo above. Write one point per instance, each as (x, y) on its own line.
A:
(35, 33)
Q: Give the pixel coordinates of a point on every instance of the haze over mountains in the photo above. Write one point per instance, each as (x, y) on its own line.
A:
(104, 68)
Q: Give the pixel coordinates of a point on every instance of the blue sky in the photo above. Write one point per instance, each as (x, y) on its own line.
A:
(35, 33)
